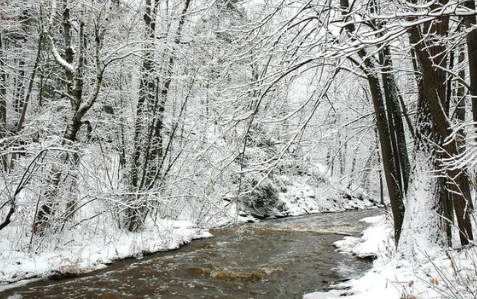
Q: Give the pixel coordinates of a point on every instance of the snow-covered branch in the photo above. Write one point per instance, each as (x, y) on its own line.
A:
(61, 61)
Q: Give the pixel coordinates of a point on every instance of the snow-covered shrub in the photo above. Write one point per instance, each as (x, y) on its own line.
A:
(262, 195)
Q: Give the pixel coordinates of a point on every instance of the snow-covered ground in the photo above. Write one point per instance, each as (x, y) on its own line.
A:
(434, 273)
(303, 196)
(77, 254)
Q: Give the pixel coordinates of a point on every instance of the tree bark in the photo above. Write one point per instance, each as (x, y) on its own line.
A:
(80, 104)
(470, 21)
(431, 54)
(148, 157)
(392, 178)
(395, 120)
(3, 100)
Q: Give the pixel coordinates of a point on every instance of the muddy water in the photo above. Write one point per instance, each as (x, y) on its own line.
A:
(273, 259)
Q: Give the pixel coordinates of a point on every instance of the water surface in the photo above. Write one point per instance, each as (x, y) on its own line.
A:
(283, 258)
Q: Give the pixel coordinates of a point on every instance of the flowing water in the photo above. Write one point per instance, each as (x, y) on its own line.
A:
(282, 258)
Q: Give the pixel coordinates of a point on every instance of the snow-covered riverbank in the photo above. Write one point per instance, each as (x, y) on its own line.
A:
(433, 273)
(78, 254)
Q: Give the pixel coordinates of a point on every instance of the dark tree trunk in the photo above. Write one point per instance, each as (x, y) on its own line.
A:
(390, 174)
(395, 120)
(80, 104)
(432, 53)
(145, 110)
(392, 178)
(470, 21)
(148, 157)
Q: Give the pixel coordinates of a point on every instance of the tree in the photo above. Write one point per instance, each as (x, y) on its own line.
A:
(149, 152)
(433, 61)
(389, 120)
(83, 64)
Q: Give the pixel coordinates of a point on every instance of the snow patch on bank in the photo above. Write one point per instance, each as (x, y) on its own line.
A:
(376, 241)
(81, 253)
(312, 191)
(303, 197)
(440, 274)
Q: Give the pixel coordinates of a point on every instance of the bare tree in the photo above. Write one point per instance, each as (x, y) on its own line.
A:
(155, 83)
(83, 64)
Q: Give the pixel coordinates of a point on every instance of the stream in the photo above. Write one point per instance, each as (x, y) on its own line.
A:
(282, 258)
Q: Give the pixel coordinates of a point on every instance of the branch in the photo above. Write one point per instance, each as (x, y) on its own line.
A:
(23, 182)
(61, 61)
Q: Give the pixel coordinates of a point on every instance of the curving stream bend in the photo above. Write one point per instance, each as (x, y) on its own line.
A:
(282, 258)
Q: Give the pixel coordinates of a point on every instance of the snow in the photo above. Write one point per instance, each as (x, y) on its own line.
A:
(375, 241)
(58, 57)
(422, 223)
(440, 273)
(317, 192)
(81, 255)
(303, 197)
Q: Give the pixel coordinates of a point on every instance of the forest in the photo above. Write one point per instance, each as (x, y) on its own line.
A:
(116, 114)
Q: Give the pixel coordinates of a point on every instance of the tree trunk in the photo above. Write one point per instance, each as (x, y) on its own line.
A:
(148, 157)
(391, 177)
(145, 111)
(470, 21)
(3, 101)
(80, 104)
(434, 89)
(390, 173)
(395, 120)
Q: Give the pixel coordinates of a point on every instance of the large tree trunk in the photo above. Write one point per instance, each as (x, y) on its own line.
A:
(390, 174)
(470, 21)
(430, 54)
(395, 120)
(422, 221)
(3, 100)
(393, 179)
